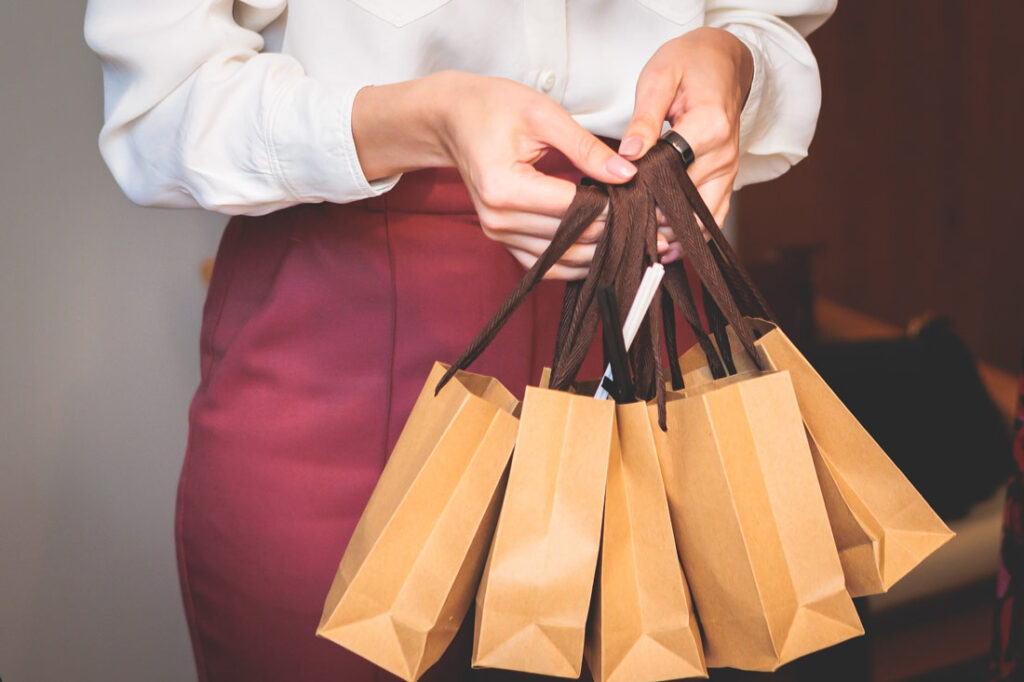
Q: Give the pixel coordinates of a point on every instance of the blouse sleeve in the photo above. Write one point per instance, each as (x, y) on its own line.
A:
(197, 115)
(778, 120)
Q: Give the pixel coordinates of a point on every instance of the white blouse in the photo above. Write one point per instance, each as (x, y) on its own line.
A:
(245, 106)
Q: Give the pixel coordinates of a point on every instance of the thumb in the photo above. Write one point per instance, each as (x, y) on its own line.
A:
(654, 93)
(585, 150)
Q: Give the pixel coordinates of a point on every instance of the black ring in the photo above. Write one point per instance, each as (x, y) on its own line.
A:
(680, 145)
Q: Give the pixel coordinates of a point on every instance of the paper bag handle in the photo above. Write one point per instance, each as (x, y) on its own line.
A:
(623, 251)
(667, 172)
(586, 206)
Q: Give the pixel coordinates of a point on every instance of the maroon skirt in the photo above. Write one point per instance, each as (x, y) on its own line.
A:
(321, 324)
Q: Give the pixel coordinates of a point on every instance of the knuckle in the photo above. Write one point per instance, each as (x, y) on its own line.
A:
(718, 127)
(646, 124)
(655, 79)
(492, 191)
(490, 222)
(587, 146)
(535, 114)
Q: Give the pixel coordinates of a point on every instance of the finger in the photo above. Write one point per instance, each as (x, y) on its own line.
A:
(655, 90)
(532, 224)
(582, 147)
(529, 191)
(670, 235)
(673, 253)
(557, 271)
(576, 256)
(524, 189)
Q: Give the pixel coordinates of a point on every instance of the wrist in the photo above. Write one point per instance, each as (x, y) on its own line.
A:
(742, 60)
(744, 67)
(442, 90)
(736, 53)
(398, 128)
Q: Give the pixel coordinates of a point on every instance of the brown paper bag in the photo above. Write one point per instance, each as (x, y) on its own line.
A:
(750, 523)
(881, 524)
(642, 625)
(412, 566)
(531, 609)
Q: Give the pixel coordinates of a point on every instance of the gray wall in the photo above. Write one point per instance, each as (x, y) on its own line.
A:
(99, 316)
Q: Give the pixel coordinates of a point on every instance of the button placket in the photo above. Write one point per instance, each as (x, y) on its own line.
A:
(547, 40)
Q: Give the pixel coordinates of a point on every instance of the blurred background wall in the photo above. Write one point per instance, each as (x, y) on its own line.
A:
(99, 313)
(912, 188)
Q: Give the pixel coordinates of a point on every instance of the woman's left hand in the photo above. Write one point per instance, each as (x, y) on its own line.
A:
(699, 83)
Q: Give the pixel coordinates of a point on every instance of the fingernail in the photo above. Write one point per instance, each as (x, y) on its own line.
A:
(631, 146)
(616, 165)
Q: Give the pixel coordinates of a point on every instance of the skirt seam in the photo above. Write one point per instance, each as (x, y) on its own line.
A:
(183, 572)
(217, 295)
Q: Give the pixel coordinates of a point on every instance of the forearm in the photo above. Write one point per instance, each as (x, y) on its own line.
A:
(735, 67)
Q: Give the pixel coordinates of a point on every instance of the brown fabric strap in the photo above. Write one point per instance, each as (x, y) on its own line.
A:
(677, 286)
(668, 318)
(654, 345)
(637, 215)
(579, 314)
(570, 300)
(586, 206)
(615, 354)
(648, 357)
(619, 246)
(664, 174)
(717, 325)
(742, 286)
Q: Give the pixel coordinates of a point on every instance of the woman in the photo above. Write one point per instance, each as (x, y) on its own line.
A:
(337, 285)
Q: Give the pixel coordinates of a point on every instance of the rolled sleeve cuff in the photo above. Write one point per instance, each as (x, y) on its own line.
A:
(778, 120)
(752, 107)
(311, 148)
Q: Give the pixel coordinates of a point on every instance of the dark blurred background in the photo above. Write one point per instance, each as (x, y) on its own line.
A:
(912, 188)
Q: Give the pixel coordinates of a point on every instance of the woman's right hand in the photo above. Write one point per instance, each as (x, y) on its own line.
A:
(492, 130)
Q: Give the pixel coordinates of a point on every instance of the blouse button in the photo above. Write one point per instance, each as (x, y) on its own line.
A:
(547, 80)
